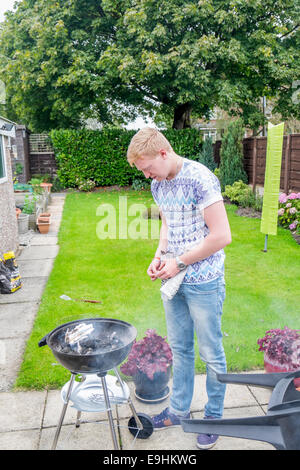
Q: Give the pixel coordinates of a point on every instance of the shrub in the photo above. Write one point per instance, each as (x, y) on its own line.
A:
(86, 185)
(149, 355)
(282, 346)
(100, 156)
(242, 195)
(231, 155)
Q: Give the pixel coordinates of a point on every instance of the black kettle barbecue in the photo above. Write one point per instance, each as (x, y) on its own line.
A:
(91, 345)
(96, 346)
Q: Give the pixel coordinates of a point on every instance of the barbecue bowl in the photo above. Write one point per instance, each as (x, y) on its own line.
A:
(101, 359)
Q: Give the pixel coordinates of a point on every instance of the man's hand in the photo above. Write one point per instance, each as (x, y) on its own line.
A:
(153, 269)
(168, 269)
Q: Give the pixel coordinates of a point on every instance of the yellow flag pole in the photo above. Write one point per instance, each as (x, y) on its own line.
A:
(272, 181)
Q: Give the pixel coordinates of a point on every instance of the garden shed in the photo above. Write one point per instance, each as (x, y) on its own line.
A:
(9, 238)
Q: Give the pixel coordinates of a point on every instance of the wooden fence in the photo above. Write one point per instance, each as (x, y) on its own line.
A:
(42, 159)
(255, 161)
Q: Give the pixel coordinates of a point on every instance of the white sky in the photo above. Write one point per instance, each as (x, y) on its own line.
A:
(137, 124)
(4, 6)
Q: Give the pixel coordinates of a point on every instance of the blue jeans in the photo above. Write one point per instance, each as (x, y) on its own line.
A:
(196, 307)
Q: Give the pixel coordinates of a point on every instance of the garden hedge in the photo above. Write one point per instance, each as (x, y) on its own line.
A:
(100, 156)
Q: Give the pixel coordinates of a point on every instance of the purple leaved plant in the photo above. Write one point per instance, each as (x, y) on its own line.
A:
(148, 355)
(282, 346)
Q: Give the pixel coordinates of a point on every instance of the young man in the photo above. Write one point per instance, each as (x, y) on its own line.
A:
(194, 230)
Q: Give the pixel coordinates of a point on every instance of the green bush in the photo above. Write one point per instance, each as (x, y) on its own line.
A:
(231, 155)
(242, 195)
(100, 156)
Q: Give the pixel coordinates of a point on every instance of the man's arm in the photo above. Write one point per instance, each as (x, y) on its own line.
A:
(152, 271)
(219, 236)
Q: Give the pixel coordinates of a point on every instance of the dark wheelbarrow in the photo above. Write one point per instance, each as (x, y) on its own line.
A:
(279, 427)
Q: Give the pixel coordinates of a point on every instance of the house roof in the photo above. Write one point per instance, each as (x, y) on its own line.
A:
(10, 133)
(7, 120)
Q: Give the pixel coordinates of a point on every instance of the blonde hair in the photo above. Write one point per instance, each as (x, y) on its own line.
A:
(147, 142)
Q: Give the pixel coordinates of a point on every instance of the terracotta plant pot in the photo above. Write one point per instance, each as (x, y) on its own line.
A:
(46, 186)
(44, 217)
(274, 366)
(43, 220)
(18, 212)
(43, 227)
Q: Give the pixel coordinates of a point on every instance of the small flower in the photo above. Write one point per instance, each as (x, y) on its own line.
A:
(293, 210)
(283, 198)
(292, 196)
(281, 211)
(293, 226)
(289, 204)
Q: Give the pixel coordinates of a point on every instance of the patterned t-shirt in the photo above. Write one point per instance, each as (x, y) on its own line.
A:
(182, 201)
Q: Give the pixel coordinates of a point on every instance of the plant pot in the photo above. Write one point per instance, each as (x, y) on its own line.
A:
(43, 220)
(23, 223)
(271, 365)
(152, 391)
(46, 186)
(43, 227)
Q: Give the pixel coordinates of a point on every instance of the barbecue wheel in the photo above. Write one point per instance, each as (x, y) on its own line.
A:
(147, 426)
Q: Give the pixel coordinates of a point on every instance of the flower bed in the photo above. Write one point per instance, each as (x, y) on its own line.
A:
(289, 212)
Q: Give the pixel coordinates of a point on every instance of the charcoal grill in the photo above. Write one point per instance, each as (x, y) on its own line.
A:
(279, 427)
(91, 347)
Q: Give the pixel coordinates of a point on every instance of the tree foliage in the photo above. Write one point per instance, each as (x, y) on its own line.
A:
(65, 60)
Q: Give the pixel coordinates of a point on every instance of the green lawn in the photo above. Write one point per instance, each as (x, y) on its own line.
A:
(262, 288)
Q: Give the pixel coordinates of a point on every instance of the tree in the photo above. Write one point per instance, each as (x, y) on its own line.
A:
(65, 60)
(207, 154)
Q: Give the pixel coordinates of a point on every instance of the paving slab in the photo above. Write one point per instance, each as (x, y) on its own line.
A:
(16, 319)
(89, 436)
(11, 354)
(20, 440)
(39, 252)
(21, 410)
(47, 239)
(35, 267)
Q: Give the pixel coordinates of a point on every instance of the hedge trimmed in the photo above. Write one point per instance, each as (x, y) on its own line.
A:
(100, 156)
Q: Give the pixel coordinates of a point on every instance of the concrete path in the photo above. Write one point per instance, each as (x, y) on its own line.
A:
(29, 418)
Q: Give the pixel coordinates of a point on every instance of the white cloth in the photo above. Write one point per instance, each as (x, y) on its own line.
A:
(170, 287)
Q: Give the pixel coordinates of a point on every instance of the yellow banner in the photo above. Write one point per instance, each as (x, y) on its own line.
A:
(272, 179)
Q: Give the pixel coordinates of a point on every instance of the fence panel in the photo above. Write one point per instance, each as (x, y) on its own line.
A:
(255, 149)
(42, 158)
